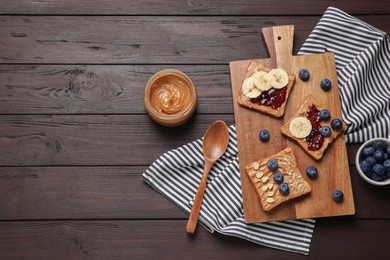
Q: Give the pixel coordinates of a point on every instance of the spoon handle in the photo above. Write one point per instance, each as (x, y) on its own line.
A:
(193, 218)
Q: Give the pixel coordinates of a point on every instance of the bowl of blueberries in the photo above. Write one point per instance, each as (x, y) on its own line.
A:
(373, 161)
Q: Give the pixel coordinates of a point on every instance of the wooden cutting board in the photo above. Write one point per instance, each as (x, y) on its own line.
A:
(333, 167)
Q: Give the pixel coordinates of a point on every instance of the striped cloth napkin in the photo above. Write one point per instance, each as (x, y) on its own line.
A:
(362, 54)
(362, 58)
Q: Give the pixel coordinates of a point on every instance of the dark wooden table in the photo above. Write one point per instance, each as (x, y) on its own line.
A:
(75, 137)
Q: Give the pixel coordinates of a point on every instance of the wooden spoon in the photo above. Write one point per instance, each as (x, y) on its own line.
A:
(215, 142)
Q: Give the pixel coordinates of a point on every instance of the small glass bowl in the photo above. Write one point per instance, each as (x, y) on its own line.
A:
(358, 157)
(179, 118)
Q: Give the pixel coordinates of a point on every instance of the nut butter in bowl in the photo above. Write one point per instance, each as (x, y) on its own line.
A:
(170, 98)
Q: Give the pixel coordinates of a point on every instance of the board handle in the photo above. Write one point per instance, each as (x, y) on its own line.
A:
(279, 41)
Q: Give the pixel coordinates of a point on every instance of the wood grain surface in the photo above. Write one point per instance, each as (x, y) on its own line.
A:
(333, 167)
(97, 89)
(164, 239)
(189, 7)
(30, 193)
(75, 137)
(52, 39)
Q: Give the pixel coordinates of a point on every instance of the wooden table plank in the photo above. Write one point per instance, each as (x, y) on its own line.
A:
(168, 240)
(93, 139)
(199, 7)
(145, 40)
(79, 139)
(80, 193)
(95, 89)
(120, 193)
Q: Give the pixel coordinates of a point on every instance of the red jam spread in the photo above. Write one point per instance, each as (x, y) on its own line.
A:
(315, 140)
(272, 98)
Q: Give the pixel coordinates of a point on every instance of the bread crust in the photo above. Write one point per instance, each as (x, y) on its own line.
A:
(285, 129)
(244, 101)
(262, 179)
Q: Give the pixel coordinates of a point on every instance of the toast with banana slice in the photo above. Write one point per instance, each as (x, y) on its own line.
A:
(313, 132)
(265, 89)
(272, 190)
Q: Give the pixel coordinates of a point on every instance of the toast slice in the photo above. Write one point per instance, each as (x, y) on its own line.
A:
(303, 142)
(267, 189)
(251, 103)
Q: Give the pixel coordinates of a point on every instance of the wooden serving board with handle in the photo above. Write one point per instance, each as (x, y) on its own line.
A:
(333, 167)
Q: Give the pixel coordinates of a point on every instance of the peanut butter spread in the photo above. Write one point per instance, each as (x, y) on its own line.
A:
(170, 95)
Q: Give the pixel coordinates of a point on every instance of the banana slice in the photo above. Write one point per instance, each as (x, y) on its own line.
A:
(300, 127)
(262, 83)
(277, 78)
(249, 88)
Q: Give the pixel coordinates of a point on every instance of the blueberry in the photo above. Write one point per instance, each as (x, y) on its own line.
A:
(311, 171)
(379, 156)
(284, 189)
(365, 166)
(388, 175)
(264, 135)
(325, 131)
(336, 124)
(386, 164)
(388, 150)
(326, 84)
(324, 114)
(338, 195)
(368, 174)
(376, 177)
(378, 169)
(379, 145)
(371, 160)
(304, 74)
(278, 178)
(273, 165)
(368, 151)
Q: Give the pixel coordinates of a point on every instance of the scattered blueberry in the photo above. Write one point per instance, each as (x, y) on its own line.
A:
(338, 195)
(284, 189)
(326, 84)
(264, 135)
(312, 172)
(378, 169)
(379, 156)
(379, 145)
(304, 74)
(386, 164)
(368, 151)
(324, 114)
(278, 178)
(325, 131)
(273, 165)
(336, 124)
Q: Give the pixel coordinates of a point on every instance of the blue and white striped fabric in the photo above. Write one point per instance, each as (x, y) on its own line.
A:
(362, 55)
(362, 58)
(177, 173)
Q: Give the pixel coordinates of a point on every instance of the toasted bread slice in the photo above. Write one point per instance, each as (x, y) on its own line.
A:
(253, 67)
(316, 154)
(267, 189)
